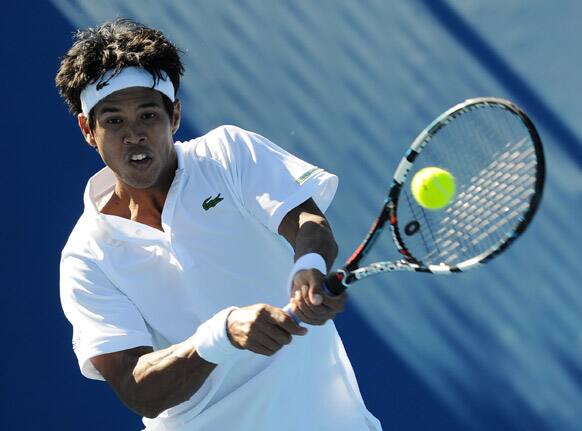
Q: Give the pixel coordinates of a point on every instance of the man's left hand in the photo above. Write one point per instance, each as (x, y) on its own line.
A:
(309, 301)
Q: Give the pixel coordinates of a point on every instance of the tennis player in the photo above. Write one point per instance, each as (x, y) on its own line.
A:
(173, 276)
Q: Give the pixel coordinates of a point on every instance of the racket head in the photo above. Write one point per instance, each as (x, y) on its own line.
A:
(495, 154)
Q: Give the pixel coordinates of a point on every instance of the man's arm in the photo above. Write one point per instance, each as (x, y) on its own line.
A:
(150, 382)
(308, 231)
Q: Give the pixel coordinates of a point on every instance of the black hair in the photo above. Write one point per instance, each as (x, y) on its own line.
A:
(115, 45)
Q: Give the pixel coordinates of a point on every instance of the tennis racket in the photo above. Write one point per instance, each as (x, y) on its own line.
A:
(495, 154)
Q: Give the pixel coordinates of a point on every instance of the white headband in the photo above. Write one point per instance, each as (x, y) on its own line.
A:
(128, 77)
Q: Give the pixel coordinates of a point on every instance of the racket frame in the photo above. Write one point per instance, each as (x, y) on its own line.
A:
(341, 279)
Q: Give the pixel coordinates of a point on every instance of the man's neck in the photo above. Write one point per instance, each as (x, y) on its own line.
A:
(140, 205)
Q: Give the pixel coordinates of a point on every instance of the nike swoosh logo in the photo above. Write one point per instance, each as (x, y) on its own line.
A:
(210, 202)
(101, 85)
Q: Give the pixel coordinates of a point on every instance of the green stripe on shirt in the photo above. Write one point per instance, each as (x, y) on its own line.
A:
(308, 175)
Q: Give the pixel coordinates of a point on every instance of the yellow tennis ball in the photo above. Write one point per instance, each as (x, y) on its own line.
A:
(433, 188)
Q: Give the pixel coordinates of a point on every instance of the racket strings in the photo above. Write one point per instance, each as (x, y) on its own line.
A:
(491, 155)
(427, 222)
(496, 197)
(416, 216)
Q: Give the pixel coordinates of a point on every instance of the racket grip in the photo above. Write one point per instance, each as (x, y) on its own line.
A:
(287, 309)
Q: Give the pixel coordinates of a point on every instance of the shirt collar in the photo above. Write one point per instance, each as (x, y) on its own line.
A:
(101, 185)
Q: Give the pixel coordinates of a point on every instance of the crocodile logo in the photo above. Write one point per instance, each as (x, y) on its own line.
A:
(210, 202)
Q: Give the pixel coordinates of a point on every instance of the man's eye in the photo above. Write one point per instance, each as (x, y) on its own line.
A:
(149, 115)
(113, 121)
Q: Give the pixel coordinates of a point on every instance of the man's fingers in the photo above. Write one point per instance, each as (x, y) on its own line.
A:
(257, 346)
(336, 302)
(262, 328)
(312, 314)
(272, 337)
(310, 296)
(306, 312)
(285, 323)
(305, 315)
(291, 327)
(309, 282)
(311, 320)
(315, 295)
(267, 340)
(277, 335)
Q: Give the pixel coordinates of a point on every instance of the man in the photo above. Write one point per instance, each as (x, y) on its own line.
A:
(173, 275)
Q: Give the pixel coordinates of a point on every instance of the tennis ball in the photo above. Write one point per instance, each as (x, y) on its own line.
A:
(433, 188)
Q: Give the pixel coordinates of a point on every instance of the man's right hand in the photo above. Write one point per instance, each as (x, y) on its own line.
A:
(261, 328)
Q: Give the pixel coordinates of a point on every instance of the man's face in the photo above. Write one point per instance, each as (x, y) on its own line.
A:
(133, 134)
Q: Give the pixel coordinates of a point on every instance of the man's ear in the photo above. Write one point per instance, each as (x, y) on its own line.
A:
(86, 130)
(176, 116)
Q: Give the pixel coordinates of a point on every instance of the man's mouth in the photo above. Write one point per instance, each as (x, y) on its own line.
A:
(139, 159)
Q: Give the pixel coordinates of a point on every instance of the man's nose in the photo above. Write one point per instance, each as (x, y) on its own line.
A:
(133, 134)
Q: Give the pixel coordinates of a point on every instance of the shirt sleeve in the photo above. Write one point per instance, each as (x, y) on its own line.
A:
(104, 319)
(271, 181)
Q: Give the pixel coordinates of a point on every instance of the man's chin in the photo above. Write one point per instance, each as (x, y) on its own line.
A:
(138, 182)
(141, 178)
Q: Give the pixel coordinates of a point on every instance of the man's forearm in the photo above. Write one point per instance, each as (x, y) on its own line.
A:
(315, 236)
(307, 230)
(164, 379)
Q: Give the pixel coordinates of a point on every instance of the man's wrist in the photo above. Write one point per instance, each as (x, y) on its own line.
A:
(211, 339)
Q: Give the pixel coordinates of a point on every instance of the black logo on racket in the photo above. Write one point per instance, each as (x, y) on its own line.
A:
(412, 228)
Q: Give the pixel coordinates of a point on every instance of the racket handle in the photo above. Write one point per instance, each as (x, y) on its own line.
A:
(333, 284)
(332, 287)
(287, 309)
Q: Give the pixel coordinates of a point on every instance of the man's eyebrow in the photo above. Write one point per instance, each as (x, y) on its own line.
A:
(107, 109)
(149, 105)
(111, 108)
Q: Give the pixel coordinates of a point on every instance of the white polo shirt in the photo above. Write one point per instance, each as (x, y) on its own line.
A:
(125, 284)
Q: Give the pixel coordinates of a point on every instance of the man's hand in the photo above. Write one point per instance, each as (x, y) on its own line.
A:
(309, 301)
(261, 328)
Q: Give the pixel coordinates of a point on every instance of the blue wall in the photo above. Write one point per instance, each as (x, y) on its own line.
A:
(496, 350)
